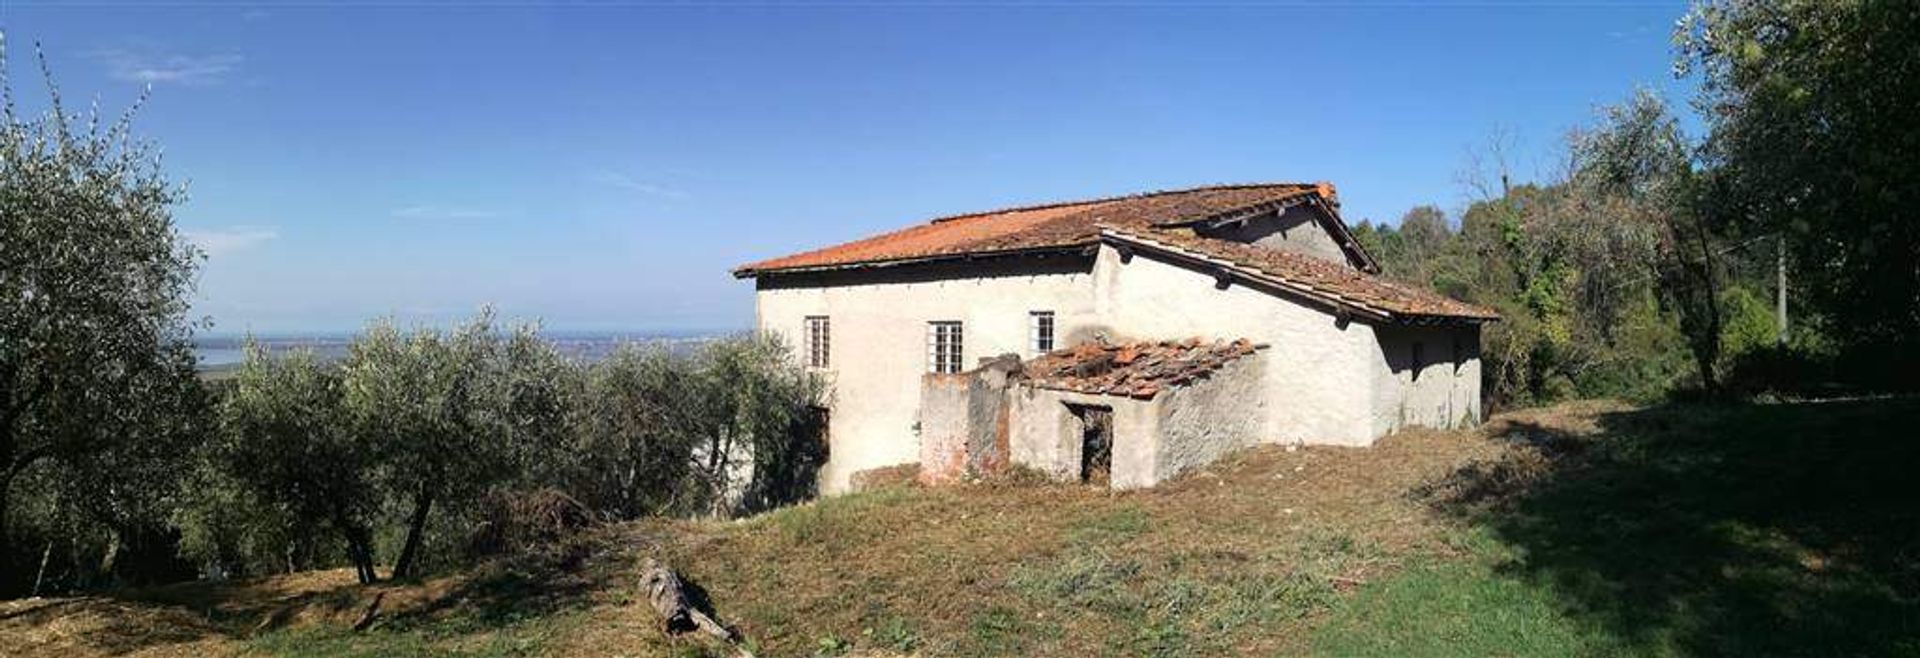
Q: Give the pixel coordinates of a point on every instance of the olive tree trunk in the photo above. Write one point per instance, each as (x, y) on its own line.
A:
(406, 566)
(359, 548)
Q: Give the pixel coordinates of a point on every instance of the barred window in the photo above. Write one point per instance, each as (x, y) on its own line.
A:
(819, 340)
(943, 347)
(1040, 331)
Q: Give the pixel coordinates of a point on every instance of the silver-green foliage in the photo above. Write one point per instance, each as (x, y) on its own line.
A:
(732, 426)
(95, 364)
(418, 439)
(287, 448)
(452, 416)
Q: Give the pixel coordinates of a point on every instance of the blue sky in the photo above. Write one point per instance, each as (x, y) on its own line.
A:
(602, 167)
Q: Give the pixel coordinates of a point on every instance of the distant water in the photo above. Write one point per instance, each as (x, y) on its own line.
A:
(217, 351)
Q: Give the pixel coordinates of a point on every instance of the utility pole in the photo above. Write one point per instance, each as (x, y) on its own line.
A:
(1780, 286)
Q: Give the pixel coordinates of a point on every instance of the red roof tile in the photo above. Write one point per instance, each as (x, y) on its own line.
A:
(1311, 276)
(1146, 217)
(1043, 226)
(1138, 370)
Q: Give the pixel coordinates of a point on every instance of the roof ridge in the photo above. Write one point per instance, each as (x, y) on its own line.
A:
(1118, 197)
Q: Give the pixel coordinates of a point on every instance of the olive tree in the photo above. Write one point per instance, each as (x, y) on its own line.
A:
(94, 285)
(286, 442)
(633, 453)
(732, 426)
(452, 416)
(762, 430)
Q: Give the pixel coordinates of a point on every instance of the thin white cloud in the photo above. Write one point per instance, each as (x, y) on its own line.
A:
(220, 242)
(1638, 31)
(149, 65)
(442, 212)
(631, 184)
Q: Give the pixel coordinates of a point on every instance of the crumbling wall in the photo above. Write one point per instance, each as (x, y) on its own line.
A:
(943, 426)
(1210, 417)
(1136, 439)
(1044, 434)
(964, 421)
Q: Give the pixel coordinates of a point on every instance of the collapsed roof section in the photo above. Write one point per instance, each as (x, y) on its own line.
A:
(1136, 370)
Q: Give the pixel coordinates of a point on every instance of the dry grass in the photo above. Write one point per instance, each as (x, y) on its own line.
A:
(1243, 557)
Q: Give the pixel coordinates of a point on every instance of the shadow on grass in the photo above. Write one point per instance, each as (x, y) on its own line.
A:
(1782, 529)
(500, 594)
(504, 592)
(139, 619)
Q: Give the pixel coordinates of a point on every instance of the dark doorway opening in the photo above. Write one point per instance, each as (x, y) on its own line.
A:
(1096, 442)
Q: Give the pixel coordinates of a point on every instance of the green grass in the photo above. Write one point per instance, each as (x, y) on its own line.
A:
(459, 636)
(1467, 607)
(1783, 529)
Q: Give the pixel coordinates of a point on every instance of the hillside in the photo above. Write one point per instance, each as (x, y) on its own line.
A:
(1589, 528)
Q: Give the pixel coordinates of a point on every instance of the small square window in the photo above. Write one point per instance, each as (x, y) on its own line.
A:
(1040, 331)
(819, 341)
(943, 347)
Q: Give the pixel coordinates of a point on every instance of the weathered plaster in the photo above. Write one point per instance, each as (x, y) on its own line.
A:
(1444, 392)
(1319, 388)
(963, 422)
(1201, 422)
(1295, 229)
(1045, 435)
(1153, 440)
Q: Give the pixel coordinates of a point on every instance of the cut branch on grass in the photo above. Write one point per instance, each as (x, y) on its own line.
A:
(668, 596)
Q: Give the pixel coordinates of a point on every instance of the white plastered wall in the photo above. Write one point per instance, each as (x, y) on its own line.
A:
(879, 344)
(1198, 422)
(1442, 391)
(1318, 384)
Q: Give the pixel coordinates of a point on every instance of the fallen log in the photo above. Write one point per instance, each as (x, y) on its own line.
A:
(372, 612)
(668, 596)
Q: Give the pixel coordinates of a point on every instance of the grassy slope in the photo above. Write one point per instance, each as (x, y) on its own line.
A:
(1588, 529)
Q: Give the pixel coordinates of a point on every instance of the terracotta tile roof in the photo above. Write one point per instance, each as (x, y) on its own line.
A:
(1313, 277)
(1044, 226)
(1137, 370)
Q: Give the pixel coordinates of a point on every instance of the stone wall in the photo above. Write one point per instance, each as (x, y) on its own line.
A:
(1184, 427)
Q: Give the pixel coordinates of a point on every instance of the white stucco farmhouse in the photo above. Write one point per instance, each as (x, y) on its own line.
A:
(1148, 334)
